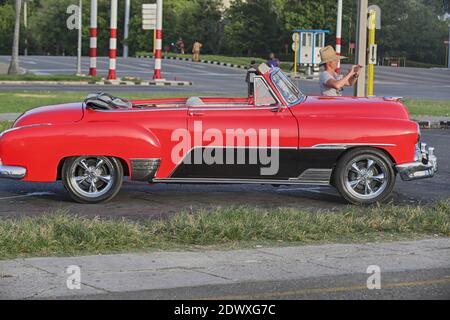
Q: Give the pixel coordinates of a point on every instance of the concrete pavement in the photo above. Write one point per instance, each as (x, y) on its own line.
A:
(261, 273)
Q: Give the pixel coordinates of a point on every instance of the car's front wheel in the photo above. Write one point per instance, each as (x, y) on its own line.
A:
(92, 179)
(365, 176)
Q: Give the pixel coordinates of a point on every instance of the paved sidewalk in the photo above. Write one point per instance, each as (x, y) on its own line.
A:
(9, 116)
(102, 275)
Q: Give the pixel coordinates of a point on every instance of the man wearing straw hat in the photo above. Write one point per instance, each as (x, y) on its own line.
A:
(331, 84)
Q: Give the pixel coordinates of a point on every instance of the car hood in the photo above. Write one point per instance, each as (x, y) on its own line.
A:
(63, 113)
(352, 107)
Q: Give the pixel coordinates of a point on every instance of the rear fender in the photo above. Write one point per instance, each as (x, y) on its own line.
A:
(40, 150)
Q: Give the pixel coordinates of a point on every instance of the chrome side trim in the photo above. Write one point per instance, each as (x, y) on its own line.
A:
(142, 110)
(349, 145)
(199, 108)
(221, 108)
(322, 176)
(236, 181)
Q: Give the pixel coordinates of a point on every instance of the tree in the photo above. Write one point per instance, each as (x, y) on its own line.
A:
(253, 26)
(412, 29)
(14, 66)
(6, 27)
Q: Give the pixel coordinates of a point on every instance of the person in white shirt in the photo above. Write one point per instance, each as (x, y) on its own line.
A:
(332, 84)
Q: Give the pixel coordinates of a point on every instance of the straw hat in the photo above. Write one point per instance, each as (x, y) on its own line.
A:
(328, 54)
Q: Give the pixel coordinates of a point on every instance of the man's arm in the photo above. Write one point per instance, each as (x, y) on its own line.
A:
(349, 80)
(339, 84)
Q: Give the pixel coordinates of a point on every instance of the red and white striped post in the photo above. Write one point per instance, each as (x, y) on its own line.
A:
(158, 52)
(113, 42)
(339, 34)
(93, 40)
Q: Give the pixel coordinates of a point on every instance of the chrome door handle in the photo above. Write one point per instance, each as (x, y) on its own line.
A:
(196, 114)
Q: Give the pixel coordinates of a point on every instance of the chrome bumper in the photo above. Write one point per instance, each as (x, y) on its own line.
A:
(9, 172)
(426, 165)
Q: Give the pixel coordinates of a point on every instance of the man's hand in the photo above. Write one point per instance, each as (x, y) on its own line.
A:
(356, 70)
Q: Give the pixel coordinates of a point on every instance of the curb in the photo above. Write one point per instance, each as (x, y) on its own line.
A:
(143, 83)
(433, 124)
(64, 83)
(218, 63)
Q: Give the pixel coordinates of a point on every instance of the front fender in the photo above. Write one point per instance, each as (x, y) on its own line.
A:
(402, 135)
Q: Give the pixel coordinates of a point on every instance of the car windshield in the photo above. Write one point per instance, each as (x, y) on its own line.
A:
(288, 90)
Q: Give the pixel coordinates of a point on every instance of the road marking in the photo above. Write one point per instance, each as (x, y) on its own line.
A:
(33, 194)
(280, 294)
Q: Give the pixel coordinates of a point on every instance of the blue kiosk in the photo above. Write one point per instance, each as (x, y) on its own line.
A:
(310, 43)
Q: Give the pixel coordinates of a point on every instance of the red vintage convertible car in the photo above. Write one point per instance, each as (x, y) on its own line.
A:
(274, 136)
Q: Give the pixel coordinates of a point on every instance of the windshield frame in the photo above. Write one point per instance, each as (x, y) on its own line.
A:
(295, 91)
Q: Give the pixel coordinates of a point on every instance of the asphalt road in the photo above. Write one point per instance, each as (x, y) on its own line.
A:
(428, 284)
(406, 82)
(140, 200)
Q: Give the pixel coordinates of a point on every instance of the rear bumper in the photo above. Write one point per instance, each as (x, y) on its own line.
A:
(426, 165)
(9, 172)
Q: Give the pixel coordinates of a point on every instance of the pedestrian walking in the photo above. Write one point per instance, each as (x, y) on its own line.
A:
(180, 45)
(332, 84)
(167, 48)
(273, 62)
(196, 48)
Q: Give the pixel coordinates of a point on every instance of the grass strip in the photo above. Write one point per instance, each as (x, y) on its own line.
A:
(437, 108)
(4, 125)
(63, 234)
(34, 77)
(14, 101)
(245, 61)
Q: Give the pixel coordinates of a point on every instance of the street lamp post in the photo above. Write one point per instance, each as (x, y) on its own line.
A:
(112, 75)
(159, 29)
(449, 45)
(80, 33)
(126, 28)
(93, 39)
(25, 25)
(361, 47)
(339, 33)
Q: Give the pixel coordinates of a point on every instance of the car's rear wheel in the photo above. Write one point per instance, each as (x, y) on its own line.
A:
(365, 176)
(92, 179)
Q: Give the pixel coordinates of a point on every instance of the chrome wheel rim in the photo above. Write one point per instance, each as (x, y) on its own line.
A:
(366, 177)
(92, 177)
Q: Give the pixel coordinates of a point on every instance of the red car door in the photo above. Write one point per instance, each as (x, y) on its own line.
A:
(240, 142)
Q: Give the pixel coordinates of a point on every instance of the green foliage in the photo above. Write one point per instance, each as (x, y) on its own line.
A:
(6, 27)
(412, 29)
